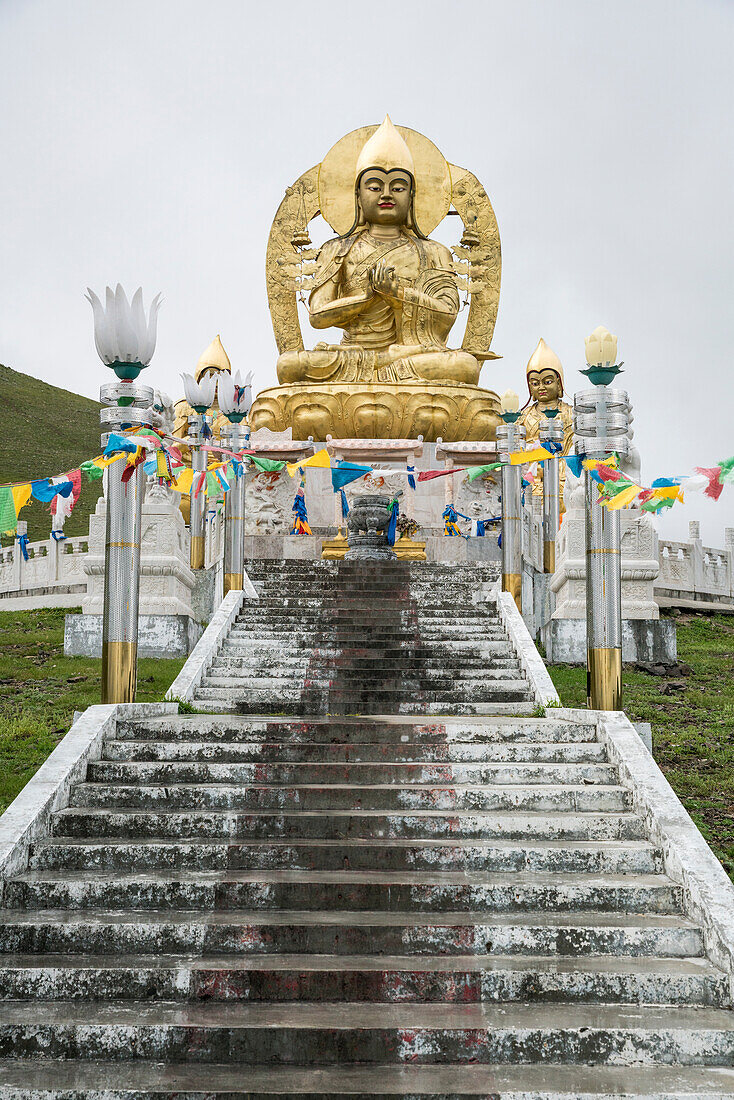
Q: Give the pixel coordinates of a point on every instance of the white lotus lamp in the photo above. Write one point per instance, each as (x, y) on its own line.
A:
(200, 395)
(124, 337)
(235, 396)
(601, 356)
(509, 406)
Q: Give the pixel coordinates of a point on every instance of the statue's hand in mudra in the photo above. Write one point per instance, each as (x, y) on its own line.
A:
(384, 281)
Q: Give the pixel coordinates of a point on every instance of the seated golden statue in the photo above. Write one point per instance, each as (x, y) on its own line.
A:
(395, 294)
(544, 374)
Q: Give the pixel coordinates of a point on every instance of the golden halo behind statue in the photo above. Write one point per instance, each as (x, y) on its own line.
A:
(336, 180)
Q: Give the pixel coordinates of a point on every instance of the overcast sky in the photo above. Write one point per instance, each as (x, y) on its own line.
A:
(150, 142)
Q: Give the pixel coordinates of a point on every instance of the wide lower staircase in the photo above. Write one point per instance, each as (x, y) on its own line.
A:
(372, 905)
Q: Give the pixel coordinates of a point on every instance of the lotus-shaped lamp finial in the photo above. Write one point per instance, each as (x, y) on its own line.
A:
(124, 338)
(509, 406)
(200, 395)
(235, 395)
(601, 348)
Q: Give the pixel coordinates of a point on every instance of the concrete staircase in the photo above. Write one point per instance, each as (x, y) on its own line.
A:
(342, 638)
(390, 904)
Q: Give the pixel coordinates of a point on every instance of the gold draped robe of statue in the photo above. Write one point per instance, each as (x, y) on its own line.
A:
(385, 340)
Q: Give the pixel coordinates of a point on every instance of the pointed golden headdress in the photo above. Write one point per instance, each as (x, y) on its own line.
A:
(214, 359)
(386, 149)
(544, 358)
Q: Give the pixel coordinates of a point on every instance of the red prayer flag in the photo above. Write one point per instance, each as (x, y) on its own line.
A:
(714, 488)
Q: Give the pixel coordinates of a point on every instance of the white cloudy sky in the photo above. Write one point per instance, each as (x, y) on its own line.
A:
(150, 142)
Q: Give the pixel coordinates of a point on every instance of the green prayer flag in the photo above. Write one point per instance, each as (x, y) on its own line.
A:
(269, 465)
(213, 485)
(93, 472)
(727, 471)
(8, 518)
(658, 505)
(476, 471)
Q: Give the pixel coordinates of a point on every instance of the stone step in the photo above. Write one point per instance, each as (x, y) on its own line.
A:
(383, 773)
(390, 698)
(47, 1079)
(554, 857)
(332, 890)
(285, 649)
(360, 932)
(388, 979)
(535, 797)
(356, 680)
(369, 1034)
(255, 663)
(436, 731)
(340, 824)
(317, 705)
(367, 608)
(282, 752)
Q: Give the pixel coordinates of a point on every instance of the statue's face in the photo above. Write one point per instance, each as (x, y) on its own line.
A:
(385, 196)
(545, 386)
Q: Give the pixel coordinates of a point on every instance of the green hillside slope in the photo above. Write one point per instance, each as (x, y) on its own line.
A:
(45, 431)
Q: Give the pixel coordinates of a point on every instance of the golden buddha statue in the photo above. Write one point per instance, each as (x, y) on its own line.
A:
(393, 292)
(544, 374)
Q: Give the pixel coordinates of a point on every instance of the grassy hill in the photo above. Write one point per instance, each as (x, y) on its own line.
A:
(45, 431)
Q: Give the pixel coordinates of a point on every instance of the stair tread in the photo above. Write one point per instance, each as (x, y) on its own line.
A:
(377, 918)
(426, 877)
(592, 964)
(346, 1015)
(502, 1082)
(347, 842)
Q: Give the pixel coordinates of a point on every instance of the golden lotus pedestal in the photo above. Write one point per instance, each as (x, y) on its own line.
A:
(405, 549)
(380, 410)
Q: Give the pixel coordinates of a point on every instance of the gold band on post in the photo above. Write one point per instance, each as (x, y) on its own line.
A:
(232, 582)
(549, 557)
(512, 583)
(119, 671)
(604, 679)
(197, 551)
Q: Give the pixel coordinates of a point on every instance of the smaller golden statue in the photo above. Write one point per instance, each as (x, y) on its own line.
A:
(544, 374)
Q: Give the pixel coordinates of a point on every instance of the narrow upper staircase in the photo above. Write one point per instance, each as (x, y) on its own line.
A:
(343, 638)
(395, 883)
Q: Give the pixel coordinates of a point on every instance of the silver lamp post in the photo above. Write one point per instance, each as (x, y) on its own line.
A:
(125, 342)
(551, 431)
(200, 395)
(235, 399)
(601, 423)
(510, 438)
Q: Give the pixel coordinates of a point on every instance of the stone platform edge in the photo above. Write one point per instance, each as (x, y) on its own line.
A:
(688, 859)
(531, 662)
(27, 817)
(200, 660)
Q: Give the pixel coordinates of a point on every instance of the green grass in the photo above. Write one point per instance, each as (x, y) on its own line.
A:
(46, 431)
(693, 729)
(40, 689)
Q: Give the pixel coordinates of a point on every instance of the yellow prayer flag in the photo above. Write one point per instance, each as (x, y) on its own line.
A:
(667, 491)
(182, 484)
(104, 462)
(21, 496)
(519, 458)
(321, 458)
(621, 500)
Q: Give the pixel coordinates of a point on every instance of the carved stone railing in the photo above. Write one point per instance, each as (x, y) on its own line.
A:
(53, 574)
(690, 570)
